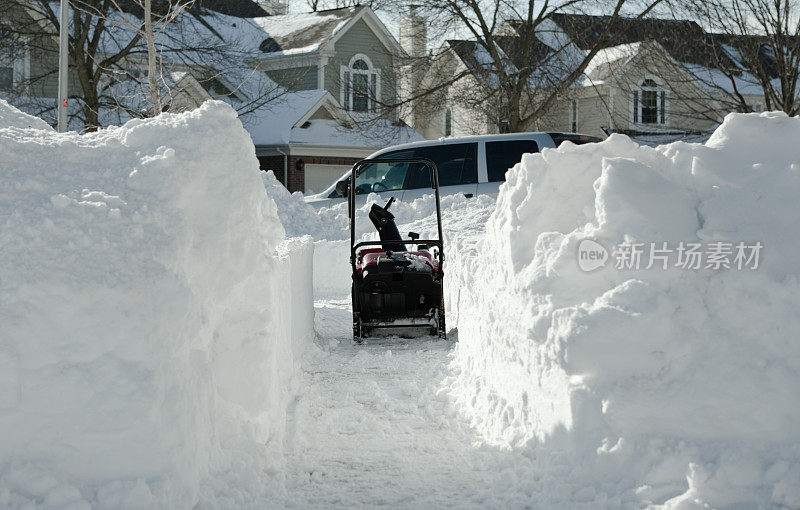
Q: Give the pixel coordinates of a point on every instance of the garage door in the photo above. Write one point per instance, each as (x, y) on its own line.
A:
(319, 177)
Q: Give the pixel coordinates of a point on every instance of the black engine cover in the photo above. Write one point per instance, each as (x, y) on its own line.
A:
(388, 291)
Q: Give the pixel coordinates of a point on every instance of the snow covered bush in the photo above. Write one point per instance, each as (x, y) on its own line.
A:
(148, 339)
(673, 386)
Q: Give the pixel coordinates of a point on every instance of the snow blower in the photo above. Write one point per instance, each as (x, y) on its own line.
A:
(396, 288)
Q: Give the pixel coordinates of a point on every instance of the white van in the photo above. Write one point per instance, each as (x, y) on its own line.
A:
(470, 165)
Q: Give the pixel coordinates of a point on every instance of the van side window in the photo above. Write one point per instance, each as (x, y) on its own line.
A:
(379, 177)
(456, 164)
(500, 156)
(469, 175)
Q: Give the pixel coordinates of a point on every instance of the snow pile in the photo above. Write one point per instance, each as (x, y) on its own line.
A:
(150, 312)
(13, 119)
(673, 386)
(298, 218)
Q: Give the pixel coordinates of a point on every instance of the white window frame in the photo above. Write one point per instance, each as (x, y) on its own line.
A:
(346, 80)
(573, 116)
(662, 95)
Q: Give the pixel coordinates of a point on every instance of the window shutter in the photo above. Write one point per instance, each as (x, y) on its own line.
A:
(373, 92)
(663, 110)
(635, 106)
(348, 91)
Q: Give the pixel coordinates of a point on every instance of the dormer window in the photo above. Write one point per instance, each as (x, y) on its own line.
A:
(269, 45)
(650, 104)
(361, 85)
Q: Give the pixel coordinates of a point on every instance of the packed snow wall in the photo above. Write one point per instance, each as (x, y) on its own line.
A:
(151, 315)
(588, 323)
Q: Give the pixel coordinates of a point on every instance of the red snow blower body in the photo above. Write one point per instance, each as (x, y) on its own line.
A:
(396, 288)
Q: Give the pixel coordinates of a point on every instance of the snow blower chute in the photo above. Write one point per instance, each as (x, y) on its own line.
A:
(394, 287)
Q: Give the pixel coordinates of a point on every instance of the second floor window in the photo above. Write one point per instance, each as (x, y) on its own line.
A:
(650, 104)
(361, 85)
(448, 122)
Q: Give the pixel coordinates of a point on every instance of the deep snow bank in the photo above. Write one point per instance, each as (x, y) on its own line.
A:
(670, 385)
(297, 217)
(148, 317)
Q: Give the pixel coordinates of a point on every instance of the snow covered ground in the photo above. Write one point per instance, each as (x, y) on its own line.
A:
(597, 388)
(585, 325)
(156, 351)
(150, 324)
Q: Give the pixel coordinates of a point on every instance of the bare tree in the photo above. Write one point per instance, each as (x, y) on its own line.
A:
(151, 55)
(376, 5)
(170, 10)
(758, 47)
(116, 73)
(519, 62)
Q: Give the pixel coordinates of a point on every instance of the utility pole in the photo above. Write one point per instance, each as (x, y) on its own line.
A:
(63, 67)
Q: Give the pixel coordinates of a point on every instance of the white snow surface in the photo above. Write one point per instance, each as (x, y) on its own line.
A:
(151, 316)
(673, 388)
(565, 389)
(155, 341)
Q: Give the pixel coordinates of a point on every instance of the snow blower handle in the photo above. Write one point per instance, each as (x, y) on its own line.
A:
(388, 204)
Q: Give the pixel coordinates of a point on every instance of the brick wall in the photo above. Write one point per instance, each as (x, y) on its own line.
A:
(297, 181)
(274, 163)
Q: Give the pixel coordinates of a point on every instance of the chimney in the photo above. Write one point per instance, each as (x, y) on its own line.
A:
(274, 7)
(414, 41)
(414, 33)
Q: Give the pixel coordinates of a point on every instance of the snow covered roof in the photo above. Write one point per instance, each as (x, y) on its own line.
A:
(272, 124)
(712, 60)
(610, 60)
(238, 8)
(302, 32)
(291, 120)
(551, 54)
(377, 133)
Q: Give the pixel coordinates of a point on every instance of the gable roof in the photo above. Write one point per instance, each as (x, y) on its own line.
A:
(303, 32)
(236, 8)
(310, 32)
(272, 124)
(290, 120)
(546, 65)
(684, 40)
(609, 61)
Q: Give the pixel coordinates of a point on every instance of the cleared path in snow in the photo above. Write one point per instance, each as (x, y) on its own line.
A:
(373, 428)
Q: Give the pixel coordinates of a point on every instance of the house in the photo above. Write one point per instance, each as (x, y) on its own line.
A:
(656, 80)
(340, 68)
(311, 88)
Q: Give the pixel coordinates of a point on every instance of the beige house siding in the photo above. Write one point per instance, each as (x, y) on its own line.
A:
(689, 108)
(465, 120)
(604, 105)
(593, 113)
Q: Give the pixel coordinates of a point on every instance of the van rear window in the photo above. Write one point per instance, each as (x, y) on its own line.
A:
(500, 156)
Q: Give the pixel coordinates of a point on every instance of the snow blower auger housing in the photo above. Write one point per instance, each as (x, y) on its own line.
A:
(395, 287)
